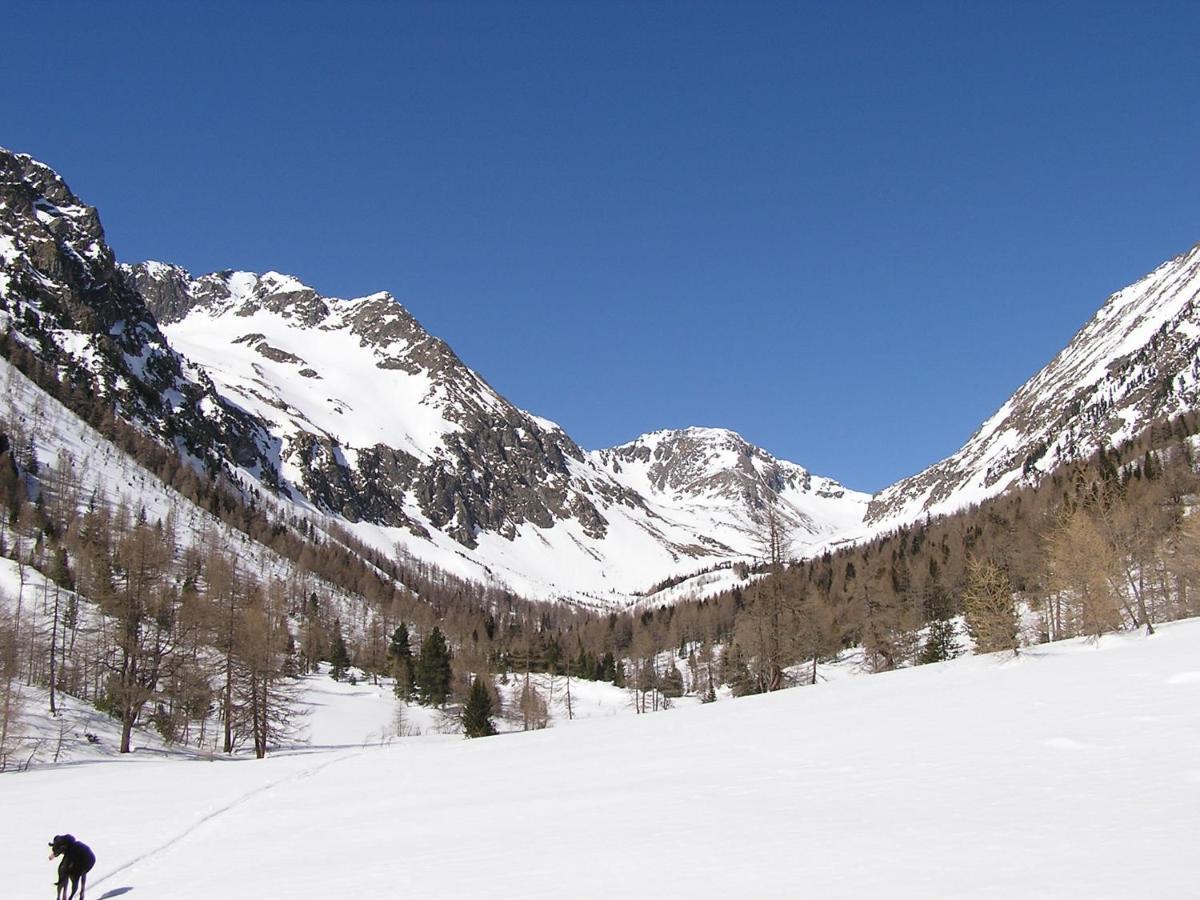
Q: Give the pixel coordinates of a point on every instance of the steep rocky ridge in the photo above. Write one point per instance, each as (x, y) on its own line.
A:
(63, 298)
(716, 475)
(378, 420)
(1136, 360)
(383, 425)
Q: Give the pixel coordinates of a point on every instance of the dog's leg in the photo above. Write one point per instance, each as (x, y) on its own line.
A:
(82, 885)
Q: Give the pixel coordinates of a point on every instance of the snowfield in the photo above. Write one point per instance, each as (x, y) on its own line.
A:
(1070, 771)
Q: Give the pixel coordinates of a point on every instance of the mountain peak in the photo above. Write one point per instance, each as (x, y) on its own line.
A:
(1133, 362)
(706, 434)
(718, 470)
(67, 301)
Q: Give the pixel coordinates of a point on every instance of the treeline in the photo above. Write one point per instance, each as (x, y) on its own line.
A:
(1102, 545)
(137, 615)
(140, 638)
(391, 588)
(115, 610)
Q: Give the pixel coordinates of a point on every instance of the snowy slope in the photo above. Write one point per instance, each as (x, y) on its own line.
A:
(722, 483)
(381, 423)
(351, 368)
(105, 475)
(1137, 359)
(1072, 771)
(349, 409)
(64, 302)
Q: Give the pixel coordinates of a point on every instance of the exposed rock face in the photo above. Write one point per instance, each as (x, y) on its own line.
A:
(718, 470)
(63, 297)
(380, 422)
(709, 461)
(1136, 360)
(448, 453)
(163, 289)
(351, 406)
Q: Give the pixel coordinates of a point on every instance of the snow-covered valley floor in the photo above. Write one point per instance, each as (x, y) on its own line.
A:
(1071, 771)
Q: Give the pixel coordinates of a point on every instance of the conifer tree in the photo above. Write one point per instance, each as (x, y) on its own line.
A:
(940, 643)
(401, 657)
(477, 714)
(671, 682)
(339, 656)
(617, 667)
(736, 673)
(432, 676)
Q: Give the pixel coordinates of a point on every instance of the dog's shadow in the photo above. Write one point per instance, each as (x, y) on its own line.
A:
(115, 892)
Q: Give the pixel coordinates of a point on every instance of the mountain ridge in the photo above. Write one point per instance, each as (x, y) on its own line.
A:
(350, 408)
(1135, 360)
(382, 465)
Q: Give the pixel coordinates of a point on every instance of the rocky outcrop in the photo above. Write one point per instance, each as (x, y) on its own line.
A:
(63, 296)
(493, 468)
(1136, 360)
(719, 470)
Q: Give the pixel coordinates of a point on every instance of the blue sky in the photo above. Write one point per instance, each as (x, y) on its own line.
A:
(847, 231)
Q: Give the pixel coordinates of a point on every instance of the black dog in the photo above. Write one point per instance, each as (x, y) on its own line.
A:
(77, 861)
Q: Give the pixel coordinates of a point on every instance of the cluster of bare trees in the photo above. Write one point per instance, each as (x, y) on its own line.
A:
(122, 609)
(1123, 554)
(1101, 546)
(119, 611)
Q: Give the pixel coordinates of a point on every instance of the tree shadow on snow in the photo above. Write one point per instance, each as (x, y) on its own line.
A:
(115, 892)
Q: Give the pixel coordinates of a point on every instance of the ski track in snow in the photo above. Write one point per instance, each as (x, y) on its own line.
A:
(220, 811)
(1069, 771)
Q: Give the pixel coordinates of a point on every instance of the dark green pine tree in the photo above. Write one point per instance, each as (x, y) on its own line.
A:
(401, 658)
(671, 681)
(432, 676)
(339, 656)
(477, 714)
(554, 656)
(940, 641)
(608, 669)
(737, 672)
(618, 669)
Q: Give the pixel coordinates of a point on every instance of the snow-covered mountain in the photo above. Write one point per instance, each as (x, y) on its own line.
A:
(382, 424)
(1136, 360)
(377, 420)
(723, 483)
(348, 408)
(64, 302)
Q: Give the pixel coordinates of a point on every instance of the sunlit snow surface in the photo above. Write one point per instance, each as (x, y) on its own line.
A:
(1072, 771)
(255, 344)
